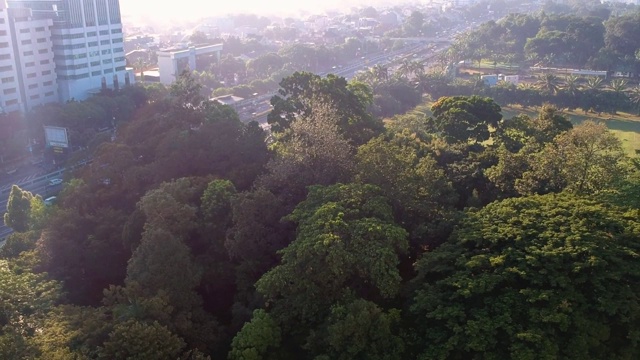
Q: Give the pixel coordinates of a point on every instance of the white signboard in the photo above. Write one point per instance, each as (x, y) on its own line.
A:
(56, 136)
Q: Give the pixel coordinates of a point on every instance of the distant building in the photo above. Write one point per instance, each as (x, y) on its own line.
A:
(229, 100)
(511, 79)
(87, 44)
(490, 80)
(172, 62)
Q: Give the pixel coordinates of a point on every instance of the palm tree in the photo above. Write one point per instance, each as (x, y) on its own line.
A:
(405, 68)
(140, 65)
(381, 72)
(618, 85)
(417, 68)
(634, 97)
(572, 84)
(594, 83)
(549, 83)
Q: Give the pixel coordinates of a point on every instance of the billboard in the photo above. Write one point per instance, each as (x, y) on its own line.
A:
(56, 136)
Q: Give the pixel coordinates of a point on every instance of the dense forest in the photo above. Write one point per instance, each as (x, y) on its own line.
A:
(460, 235)
(452, 233)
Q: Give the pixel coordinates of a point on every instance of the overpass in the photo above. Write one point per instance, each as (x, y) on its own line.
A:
(171, 62)
(424, 39)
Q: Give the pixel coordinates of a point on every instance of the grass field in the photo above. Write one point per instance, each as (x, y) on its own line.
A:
(624, 125)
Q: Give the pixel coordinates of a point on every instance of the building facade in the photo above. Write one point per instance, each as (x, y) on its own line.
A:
(87, 44)
(27, 68)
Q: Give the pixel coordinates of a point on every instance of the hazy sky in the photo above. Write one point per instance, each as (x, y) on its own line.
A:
(183, 9)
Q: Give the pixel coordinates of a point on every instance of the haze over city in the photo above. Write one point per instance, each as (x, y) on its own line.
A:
(193, 9)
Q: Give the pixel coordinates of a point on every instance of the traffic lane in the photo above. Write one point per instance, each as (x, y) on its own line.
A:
(41, 188)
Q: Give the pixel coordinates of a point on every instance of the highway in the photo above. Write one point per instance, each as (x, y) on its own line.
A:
(37, 186)
(257, 108)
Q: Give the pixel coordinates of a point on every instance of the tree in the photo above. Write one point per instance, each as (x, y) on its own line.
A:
(140, 341)
(414, 183)
(549, 83)
(464, 118)
(634, 97)
(360, 330)
(347, 243)
(538, 277)
(25, 300)
(585, 160)
(18, 215)
(301, 92)
(257, 340)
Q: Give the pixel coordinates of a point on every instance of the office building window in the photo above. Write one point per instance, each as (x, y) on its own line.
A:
(29, 64)
(4, 45)
(120, 68)
(107, 61)
(34, 97)
(118, 59)
(12, 102)
(24, 31)
(3, 33)
(104, 32)
(91, 34)
(27, 53)
(48, 93)
(116, 41)
(92, 43)
(104, 42)
(46, 72)
(43, 51)
(116, 31)
(106, 51)
(118, 50)
(33, 86)
(5, 56)
(6, 68)
(31, 75)
(108, 71)
(26, 42)
(95, 63)
(41, 40)
(40, 29)
(96, 73)
(9, 91)
(44, 62)
(47, 83)
(7, 80)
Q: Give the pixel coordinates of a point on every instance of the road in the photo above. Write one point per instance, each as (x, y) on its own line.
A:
(37, 186)
(256, 109)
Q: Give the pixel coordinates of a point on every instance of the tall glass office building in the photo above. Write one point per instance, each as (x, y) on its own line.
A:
(87, 43)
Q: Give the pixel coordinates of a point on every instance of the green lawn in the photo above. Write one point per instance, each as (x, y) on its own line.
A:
(624, 125)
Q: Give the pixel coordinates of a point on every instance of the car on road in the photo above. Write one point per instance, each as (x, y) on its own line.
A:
(53, 182)
(50, 200)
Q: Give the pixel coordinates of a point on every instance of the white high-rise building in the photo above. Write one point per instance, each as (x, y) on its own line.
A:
(87, 44)
(27, 69)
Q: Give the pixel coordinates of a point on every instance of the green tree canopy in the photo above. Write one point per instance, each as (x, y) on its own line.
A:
(464, 118)
(552, 276)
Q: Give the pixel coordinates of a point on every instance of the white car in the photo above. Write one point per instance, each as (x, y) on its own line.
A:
(55, 182)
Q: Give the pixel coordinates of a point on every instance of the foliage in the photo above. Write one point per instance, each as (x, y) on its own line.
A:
(257, 339)
(18, 215)
(540, 277)
(463, 118)
(302, 91)
(346, 242)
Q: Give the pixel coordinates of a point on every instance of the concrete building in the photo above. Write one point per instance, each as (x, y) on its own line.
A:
(33, 51)
(171, 62)
(27, 69)
(87, 44)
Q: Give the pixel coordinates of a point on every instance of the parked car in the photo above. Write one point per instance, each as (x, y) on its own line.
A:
(50, 200)
(53, 182)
